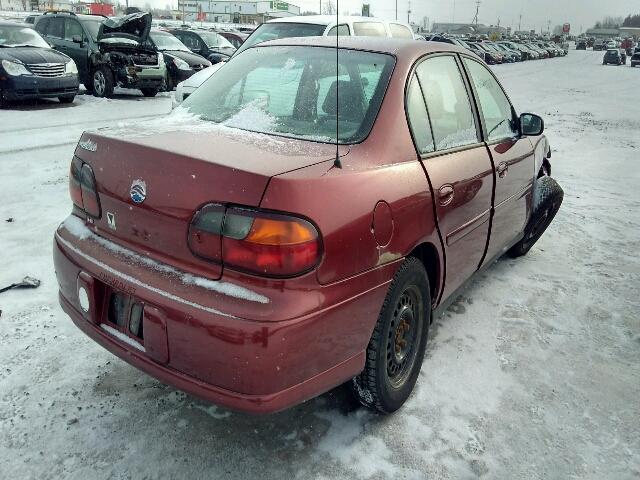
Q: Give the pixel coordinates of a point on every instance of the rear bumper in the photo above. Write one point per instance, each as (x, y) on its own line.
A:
(26, 87)
(254, 366)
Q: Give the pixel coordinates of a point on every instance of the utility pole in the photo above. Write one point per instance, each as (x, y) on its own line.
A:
(396, 9)
(320, 12)
(409, 13)
(520, 23)
(475, 19)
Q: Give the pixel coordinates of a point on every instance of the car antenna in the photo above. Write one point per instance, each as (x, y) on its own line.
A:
(337, 163)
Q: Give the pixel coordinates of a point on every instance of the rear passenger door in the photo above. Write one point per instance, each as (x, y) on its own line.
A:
(512, 156)
(445, 131)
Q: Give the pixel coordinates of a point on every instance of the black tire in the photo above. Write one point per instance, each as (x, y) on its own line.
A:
(547, 199)
(396, 348)
(149, 92)
(102, 78)
(68, 99)
(168, 82)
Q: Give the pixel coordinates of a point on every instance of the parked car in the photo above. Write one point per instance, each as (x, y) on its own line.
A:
(187, 87)
(311, 25)
(180, 62)
(581, 44)
(31, 19)
(211, 45)
(525, 53)
(108, 52)
(455, 41)
(614, 56)
(236, 38)
(326, 25)
(31, 69)
(635, 59)
(511, 55)
(492, 56)
(599, 45)
(204, 249)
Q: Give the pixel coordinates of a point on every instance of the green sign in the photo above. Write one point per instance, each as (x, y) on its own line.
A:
(277, 5)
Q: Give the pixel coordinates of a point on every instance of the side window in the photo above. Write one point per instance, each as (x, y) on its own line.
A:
(72, 28)
(41, 26)
(340, 30)
(418, 118)
(369, 29)
(56, 28)
(400, 31)
(447, 102)
(497, 112)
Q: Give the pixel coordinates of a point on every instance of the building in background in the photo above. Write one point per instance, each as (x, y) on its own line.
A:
(603, 33)
(236, 11)
(469, 29)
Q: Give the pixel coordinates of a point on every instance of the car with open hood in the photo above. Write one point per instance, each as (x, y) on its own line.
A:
(30, 68)
(297, 222)
(109, 52)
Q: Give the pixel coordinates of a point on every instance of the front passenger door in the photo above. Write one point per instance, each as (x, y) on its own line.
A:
(77, 51)
(512, 156)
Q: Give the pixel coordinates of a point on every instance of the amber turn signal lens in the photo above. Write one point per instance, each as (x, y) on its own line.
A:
(265, 231)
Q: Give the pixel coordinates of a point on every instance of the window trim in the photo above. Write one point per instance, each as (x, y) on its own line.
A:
(485, 136)
(472, 104)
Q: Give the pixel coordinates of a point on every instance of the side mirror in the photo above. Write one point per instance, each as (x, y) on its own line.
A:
(531, 124)
(77, 39)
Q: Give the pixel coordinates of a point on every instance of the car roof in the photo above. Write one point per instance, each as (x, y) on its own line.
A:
(329, 19)
(394, 46)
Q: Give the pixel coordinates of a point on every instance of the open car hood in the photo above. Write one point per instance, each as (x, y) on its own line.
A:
(132, 29)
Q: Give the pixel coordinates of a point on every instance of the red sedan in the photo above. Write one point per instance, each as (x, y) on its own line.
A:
(297, 224)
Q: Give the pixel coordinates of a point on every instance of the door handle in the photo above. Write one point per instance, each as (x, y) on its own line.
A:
(446, 194)
(503, 168)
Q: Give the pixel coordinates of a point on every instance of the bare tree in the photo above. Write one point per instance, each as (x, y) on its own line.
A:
(329, 8)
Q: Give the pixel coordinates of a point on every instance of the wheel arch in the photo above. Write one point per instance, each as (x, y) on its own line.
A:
(428, 255)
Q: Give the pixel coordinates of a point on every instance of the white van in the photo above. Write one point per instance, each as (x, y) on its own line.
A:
(304, 26)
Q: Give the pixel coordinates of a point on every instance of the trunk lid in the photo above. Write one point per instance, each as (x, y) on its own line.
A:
(150, 185)
(132, 29)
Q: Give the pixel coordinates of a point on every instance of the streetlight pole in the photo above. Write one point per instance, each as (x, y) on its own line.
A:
(396, 9)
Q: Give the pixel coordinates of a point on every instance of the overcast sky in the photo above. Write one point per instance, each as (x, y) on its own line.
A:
(535, 13)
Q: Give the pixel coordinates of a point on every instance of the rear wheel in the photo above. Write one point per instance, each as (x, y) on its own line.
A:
(149, 92)
(396, 348)
(103, 82)
(68, 99)
(547, 199)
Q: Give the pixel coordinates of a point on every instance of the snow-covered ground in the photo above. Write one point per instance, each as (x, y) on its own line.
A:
(534, 372)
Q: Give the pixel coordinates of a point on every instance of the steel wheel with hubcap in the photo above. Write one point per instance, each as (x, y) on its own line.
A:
(397, 346)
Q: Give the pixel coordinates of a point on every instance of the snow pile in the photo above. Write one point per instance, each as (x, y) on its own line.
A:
(122, 337)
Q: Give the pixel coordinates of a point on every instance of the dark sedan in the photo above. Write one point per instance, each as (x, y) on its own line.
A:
(211, 45)
(614, 56)
(30, 68)
(236, 38)
(181, 62)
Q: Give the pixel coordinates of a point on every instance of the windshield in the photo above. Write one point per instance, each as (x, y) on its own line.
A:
(19, 36)
(92, 27)
(274, 31)
(212, 39)
(297, 92)
(166, 41)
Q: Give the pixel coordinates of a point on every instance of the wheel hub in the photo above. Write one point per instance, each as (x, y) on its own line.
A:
(402, 338)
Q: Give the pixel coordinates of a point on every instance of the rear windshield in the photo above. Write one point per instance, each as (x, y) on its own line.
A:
(295, 91)
(275, 31)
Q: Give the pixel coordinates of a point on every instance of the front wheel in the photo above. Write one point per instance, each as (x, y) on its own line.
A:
(547, 199)
(103, 82)
(149, 92)
(396, 348)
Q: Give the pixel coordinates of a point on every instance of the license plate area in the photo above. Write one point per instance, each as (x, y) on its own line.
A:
(125, 314)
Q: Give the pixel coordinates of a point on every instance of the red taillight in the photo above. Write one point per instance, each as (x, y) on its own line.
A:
(268, 244)
(82, 188)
